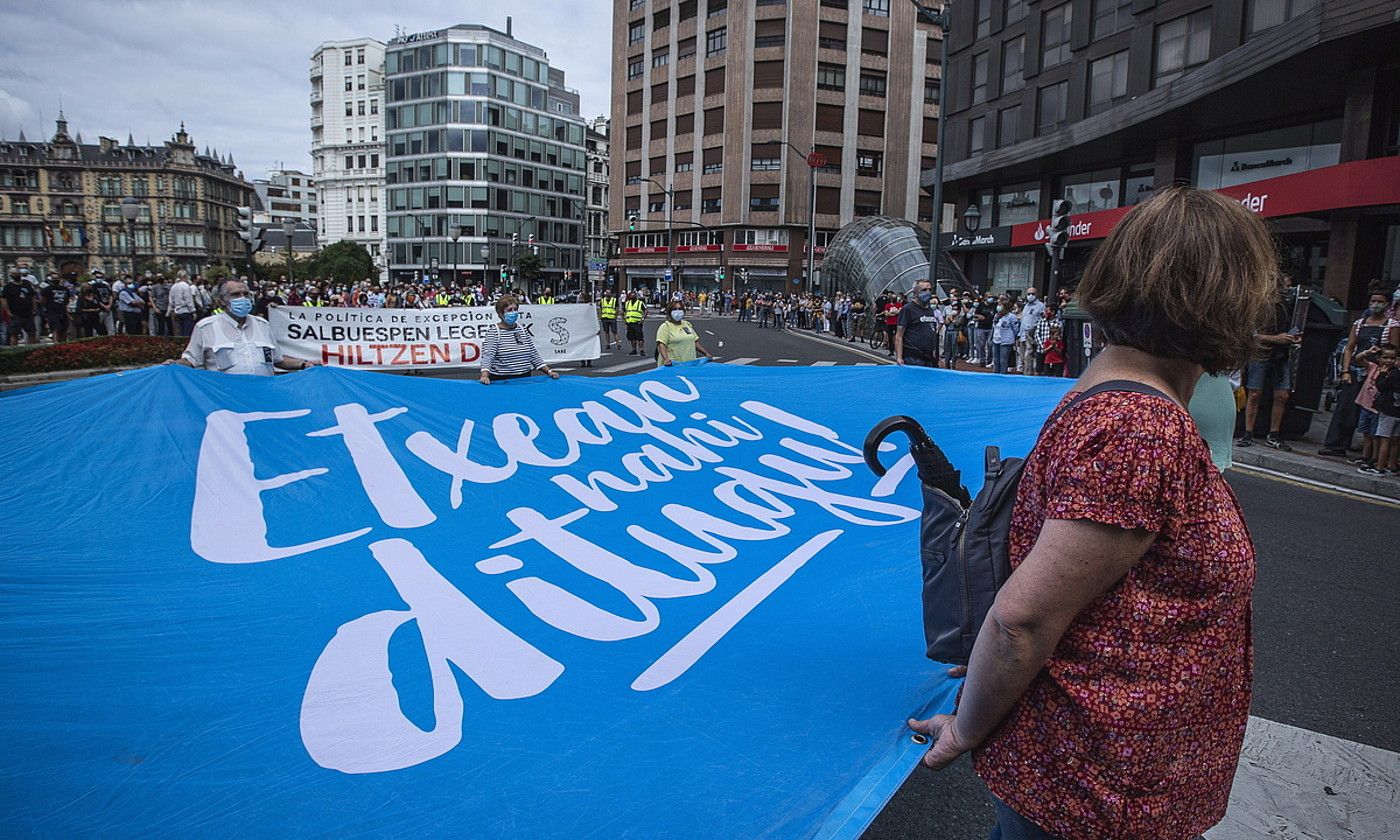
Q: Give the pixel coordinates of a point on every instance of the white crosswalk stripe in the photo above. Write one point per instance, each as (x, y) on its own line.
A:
(743, 361)
(866, 364)
(788, 361)
(823, 364)
(1294, 782)
(626, 366)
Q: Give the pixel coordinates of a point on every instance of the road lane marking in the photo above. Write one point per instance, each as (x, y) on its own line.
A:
(626, 366)
(742, 361)
(823, 364)
(788, 361)
(1293, 782)
(709, 332)
(1319, 486)
(866, 364)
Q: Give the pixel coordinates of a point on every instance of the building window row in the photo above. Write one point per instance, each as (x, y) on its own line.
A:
(477, 169)
(434, 85)
(467, 112)
(415, 59)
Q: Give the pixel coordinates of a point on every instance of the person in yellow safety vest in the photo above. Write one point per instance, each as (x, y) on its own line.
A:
(634, 311)
(546, 299)
(441, 298)
(607, 314)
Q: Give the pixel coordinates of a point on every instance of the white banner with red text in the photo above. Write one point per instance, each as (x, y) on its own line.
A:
(396, 339)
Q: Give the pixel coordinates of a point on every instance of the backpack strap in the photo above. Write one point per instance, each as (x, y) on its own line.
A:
(1127, 385)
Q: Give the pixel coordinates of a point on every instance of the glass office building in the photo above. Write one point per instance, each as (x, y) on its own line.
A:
(481, 135)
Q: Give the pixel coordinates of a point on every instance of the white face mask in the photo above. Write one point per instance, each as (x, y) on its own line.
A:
(677, 314)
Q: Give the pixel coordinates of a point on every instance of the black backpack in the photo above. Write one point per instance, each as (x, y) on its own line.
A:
(964, 542)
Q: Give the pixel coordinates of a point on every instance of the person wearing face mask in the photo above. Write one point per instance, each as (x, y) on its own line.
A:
(235, 340)
(1372, 329)
(916, 333)
(676, 340)
(508, 351)
(1006, 326)
(1032, 313)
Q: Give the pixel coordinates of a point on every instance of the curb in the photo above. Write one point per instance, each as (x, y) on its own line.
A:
(1340, 474)
(851, 346)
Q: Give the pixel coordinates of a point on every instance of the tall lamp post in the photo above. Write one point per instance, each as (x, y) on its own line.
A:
(131, 209)
(289, 227)
(454, 233)
(815, 160)
(670, 228)
(943, 19)
(485, 270)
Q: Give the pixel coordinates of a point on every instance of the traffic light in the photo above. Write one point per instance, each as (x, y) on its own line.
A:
(744, 275)
(719, 275)
(514, 239)
(532, 239)
(505, 273)
(1057, 235)
(631, 219)
(246, 231)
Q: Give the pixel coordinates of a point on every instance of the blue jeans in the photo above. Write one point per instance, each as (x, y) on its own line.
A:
(1012, 826)
(1003, 357)
(981, 348)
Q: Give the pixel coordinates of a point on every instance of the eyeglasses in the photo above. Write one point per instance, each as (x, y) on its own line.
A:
(239, 294)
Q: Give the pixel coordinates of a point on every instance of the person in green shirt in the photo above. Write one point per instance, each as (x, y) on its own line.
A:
(1213, 409)
(677, 341)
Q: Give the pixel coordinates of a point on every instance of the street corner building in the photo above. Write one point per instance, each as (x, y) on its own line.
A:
(61, 204)
(485, 158)
(1292, 107)
(744, 133)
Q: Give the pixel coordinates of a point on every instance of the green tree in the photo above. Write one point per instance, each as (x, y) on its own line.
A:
(529, 267)
(343, 262)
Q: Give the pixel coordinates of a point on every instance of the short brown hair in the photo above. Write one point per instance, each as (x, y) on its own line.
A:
(1188, 274)
(504, 302)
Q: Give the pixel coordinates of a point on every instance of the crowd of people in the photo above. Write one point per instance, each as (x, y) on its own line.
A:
(1004, 332)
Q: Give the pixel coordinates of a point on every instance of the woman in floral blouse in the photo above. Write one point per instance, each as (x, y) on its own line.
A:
(1108, 690)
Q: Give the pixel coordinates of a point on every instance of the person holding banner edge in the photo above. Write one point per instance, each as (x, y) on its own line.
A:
(234, 340)
(508, 351)
(1108, 691)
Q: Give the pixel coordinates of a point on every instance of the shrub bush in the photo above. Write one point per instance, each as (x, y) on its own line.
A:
(100, 352)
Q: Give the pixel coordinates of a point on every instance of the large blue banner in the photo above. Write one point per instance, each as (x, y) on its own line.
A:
(343, 603)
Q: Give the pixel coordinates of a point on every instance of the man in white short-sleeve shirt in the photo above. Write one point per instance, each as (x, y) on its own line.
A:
(235, 340)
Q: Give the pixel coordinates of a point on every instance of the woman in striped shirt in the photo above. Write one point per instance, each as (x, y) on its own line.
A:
(508, 351)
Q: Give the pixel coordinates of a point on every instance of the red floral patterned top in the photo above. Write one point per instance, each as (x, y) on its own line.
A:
(1133, 728)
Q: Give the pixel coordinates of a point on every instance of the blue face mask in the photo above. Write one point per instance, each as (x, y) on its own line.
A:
(240, 307)
(511, 317)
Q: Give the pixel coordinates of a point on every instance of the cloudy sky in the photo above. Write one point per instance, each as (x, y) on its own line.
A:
(237, 73)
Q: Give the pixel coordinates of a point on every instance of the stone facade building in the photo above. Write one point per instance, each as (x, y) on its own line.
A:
(61, 204)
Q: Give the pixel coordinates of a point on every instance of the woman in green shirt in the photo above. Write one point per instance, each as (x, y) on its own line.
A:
(677, 341)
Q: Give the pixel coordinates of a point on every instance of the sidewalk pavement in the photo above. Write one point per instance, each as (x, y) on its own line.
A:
(1303, 464)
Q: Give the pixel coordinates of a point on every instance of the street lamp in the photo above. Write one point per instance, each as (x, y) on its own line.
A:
(454, 233)
(972, 217)
(131, 209)
(422, 241)
(289, 227)
(943, 19)
(485, 269)
(670, 228)
(814, 160)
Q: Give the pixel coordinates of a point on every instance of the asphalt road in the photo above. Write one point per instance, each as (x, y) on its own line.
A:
(1326, 659)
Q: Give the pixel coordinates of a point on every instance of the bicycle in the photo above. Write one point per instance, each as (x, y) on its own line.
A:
(876, 334)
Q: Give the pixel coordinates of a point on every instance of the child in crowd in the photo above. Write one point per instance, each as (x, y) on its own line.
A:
(1386, 404)
(1054, 352)
(1379, 411)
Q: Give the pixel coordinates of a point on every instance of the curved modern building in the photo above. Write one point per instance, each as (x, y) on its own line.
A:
(481, 136)
(880, 253)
